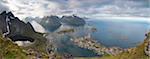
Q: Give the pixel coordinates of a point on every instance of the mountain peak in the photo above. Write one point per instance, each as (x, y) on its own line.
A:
(4, 12)
(13, 26)
(10, 14)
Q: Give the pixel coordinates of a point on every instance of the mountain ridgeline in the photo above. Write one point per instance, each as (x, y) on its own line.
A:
(52, 23)
(73, 20)
(12, 27)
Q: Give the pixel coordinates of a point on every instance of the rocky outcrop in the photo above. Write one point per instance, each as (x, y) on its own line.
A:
(73, 20)
(3, 22)
(13, 26)
(147, 49)
(147, 45)
(21, 38)
(15, 29)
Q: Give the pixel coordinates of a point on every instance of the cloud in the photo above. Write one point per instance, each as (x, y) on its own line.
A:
(111, 8)
(3, 7)
(24, 8)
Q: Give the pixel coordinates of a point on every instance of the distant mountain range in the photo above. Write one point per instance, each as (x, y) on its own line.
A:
(52, 23)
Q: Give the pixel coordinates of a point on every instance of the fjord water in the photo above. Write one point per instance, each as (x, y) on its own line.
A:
(124, 34)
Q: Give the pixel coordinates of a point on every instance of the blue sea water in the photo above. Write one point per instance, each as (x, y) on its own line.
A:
(124, 34)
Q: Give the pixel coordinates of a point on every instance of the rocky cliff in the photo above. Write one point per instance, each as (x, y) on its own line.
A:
(15, 29)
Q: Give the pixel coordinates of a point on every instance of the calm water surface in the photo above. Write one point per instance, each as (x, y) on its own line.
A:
(123, 34)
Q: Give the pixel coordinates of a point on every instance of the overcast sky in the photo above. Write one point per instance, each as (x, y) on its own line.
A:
(87, 8)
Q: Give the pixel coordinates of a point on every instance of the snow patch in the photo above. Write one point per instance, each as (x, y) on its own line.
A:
(37, 27)
(23, 43)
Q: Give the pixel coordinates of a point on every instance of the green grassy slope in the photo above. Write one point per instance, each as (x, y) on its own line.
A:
(8, 50)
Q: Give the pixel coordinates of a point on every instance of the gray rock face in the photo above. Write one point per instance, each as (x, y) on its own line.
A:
(14, 27)
(20, 27)
(51, 23)
(73, 20)
(3, 22)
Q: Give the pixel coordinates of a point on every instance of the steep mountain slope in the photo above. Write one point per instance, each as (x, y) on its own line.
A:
(12, 27)
(9, 50)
